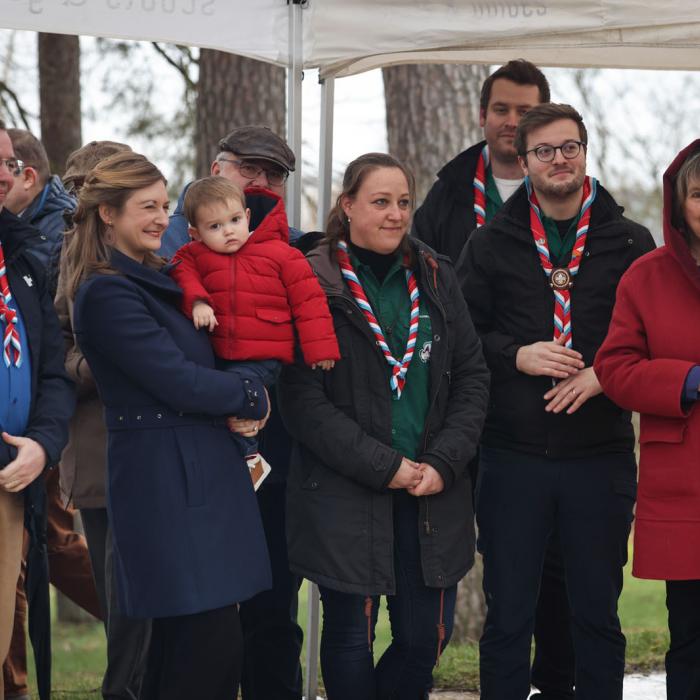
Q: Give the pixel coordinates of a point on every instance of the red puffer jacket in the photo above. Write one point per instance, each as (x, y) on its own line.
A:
(259, 294)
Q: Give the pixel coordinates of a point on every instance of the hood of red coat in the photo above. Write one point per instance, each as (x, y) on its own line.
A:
(673, 237)
(268, 218)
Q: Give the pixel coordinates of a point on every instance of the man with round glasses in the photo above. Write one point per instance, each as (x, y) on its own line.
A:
(557, 456)
(250, 156)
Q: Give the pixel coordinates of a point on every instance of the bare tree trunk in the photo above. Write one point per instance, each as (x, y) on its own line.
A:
(235, 91)
(59, 95)
(432, 113)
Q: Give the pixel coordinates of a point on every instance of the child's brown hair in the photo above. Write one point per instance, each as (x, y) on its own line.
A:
(207, 191)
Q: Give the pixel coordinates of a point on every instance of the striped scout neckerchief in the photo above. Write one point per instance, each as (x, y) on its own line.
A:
(480, 187)
(398, 369)
(561, 278)
(10, 338)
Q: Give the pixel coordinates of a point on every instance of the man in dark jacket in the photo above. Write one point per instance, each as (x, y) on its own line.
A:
(254, 156)
(36, 396)
(557, 457)
(472, 187)
(40, 199)
(469, 192)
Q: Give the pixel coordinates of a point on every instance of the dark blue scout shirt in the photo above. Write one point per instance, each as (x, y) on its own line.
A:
(16, 384)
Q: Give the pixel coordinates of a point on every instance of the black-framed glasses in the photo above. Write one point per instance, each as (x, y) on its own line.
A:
(14, 165)
(546, 153)
(275, 176)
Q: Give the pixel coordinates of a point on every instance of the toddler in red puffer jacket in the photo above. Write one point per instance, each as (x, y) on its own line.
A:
(251, 290)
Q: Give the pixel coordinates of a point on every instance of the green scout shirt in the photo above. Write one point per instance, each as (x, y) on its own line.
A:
(493, 196)
(392, 307)
(561, 236)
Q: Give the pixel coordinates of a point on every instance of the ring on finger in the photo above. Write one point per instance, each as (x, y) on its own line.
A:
(573, 391)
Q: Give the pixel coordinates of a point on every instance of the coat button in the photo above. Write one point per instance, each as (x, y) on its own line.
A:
(138, 417)
(314, 484)
(120, 418)
(441, 578)
(159, 416)
(435, 531)
(588, 253)
(436, 337)
(630, 241)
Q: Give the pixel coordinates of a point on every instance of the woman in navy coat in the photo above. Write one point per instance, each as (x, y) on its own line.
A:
(188, 541)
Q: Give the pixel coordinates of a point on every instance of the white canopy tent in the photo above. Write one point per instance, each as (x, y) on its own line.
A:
(344, 37)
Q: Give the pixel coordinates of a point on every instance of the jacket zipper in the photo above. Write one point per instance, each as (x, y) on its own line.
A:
(436, 298)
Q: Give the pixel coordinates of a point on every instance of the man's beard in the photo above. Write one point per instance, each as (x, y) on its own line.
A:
(563, 189)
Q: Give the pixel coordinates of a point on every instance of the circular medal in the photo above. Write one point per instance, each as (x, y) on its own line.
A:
(560, 278)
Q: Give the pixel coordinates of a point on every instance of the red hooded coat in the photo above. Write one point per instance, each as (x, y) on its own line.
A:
(259, 294)
(652, 344)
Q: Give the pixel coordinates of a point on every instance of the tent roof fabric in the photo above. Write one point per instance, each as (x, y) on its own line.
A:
(343, 37)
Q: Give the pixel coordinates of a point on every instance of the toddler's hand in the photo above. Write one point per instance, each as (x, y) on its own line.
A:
(324, 364)
(203, 316)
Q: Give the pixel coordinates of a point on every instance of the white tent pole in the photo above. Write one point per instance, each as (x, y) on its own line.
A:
(325, 158)
(312, 642)
(325, 181)
(294, 77)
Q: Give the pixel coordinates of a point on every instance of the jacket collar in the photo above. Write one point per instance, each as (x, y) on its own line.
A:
(673, 237)
(458, 174)
(157, 281)
(268, 218)
(52, 198)
(16, 235)
(325, 265)
(514, 217)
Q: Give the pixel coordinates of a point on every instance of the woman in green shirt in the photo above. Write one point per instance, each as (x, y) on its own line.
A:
(379, 496)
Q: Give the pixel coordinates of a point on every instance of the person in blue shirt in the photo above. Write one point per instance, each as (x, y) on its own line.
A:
(36, 402)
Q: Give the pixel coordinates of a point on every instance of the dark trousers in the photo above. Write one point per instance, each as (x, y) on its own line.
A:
(195, 656)
(404, 671)
(271, 636)
(553, 669)
(69, 571)
(683, 657)
(521, 500)
(127, 638)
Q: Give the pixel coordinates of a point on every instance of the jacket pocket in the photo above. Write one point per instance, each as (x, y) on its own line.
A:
(661, 429)
(274, 315)
(194, 479)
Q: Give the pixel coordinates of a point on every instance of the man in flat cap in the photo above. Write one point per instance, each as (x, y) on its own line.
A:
(250, 156)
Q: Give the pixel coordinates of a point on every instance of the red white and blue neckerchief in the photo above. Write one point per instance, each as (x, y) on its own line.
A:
(11, 347)
(562, 296)
(398, 369)
(480, 186)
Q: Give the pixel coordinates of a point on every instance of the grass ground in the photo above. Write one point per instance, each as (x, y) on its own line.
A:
(79, 652)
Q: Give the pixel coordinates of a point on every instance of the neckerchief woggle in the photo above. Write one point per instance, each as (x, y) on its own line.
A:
(480, 187)
(398, 369)
(10, 338)
(561, 278)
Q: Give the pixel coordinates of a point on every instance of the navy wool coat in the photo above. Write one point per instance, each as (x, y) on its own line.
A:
(186, 528)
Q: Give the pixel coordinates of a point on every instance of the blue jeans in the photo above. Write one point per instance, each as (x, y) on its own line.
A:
(404, 671)
(267, 372)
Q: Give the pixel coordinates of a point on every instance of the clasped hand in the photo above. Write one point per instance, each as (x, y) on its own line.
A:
(29, 463)
(418, 478)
